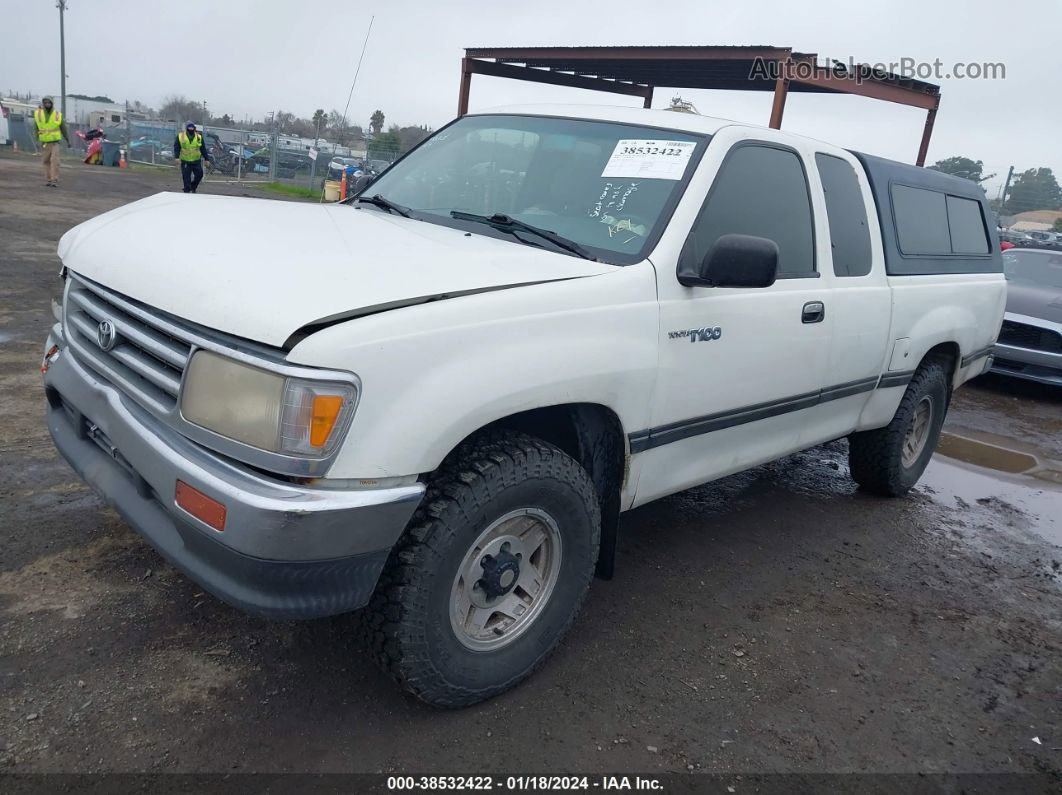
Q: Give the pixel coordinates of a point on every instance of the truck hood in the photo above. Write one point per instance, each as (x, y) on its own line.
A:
(262, 269)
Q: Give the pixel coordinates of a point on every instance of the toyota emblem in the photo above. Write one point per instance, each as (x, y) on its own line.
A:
(106, 335)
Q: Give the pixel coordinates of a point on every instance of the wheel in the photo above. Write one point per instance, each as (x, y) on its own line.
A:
(490, 573)
(890, 460)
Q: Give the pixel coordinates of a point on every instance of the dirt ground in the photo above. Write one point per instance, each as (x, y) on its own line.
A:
(775, 621)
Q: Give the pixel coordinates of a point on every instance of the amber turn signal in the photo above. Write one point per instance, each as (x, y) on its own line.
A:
(199, 505)
(326, 410)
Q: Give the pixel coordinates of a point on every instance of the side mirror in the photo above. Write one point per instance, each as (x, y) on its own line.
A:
(735, 261)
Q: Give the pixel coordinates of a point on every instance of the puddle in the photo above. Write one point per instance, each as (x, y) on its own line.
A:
(1001, 453)
(1028, 503)
(984, 453)
(6, 336)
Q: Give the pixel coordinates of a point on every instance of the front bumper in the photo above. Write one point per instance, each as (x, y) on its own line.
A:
(1044, 367)
(286, 551)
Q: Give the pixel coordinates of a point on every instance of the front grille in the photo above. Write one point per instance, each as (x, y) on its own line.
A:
(150, 353)
(1021, 335)
(146, 361)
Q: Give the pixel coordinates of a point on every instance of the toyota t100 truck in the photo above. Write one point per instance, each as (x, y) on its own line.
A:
(433, 401)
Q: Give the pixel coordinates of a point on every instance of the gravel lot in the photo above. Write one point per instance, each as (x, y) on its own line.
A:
(776, 621)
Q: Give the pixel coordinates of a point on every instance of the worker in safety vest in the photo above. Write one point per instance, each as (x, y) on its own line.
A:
(189, 148)
(50, 130)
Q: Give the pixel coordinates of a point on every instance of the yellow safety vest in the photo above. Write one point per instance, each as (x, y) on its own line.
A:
(190, 147)
(48, 126)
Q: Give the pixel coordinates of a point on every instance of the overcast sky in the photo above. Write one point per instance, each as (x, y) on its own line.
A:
(247, 58)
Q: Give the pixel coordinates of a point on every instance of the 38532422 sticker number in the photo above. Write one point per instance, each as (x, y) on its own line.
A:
(649, 159)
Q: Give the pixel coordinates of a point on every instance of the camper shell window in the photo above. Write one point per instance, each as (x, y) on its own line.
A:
(931, 222)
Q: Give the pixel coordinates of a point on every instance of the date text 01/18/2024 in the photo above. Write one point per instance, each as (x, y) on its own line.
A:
(521, 783)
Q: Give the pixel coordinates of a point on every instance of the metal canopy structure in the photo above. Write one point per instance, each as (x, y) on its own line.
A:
(636, 71)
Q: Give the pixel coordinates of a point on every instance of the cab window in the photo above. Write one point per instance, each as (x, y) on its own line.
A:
(760, 190)
(847, 216)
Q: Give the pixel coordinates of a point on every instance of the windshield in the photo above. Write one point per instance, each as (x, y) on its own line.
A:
(1039, 268)
(607, 187)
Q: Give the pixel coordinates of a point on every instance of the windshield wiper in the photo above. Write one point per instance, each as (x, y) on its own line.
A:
(386, 204)
(507, 223)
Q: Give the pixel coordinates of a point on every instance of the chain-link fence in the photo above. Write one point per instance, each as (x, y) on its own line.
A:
(237, 154)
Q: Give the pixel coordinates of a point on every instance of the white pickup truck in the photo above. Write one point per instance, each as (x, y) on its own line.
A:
(434, 401)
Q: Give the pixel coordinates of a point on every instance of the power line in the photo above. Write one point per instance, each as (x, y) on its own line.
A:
(357, 71)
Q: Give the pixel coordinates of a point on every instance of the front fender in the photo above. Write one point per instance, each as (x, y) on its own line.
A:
(435, 373)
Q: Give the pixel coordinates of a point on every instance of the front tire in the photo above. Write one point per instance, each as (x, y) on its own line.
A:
(490, 573)
(890, 460)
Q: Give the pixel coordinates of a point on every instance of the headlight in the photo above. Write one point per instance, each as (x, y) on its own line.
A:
(292, 416)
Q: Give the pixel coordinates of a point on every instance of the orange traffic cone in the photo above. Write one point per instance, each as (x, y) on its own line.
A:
(121, 159)
(343, 186)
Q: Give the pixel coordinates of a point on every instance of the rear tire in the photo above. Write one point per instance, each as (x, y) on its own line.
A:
(890, 460)
(511, 523)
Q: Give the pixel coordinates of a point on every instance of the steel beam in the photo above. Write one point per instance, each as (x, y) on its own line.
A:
(927, 131)
(781, 91)
(871, 88)
(471, 66)
(524, 54)
(466, 85)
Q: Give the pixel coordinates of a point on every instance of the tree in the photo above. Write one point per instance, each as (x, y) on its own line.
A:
(411, 136)
(1034, 189)
(181, 109)
(320, 119)
(304, 128)
(376, 122)
(962, 167)
(338, 124)
(136, 106)
(285, 120)
(1057, 225)
(385, 146)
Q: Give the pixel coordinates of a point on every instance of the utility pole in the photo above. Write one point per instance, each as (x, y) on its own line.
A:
(313, 160)
(274, 140)
(128, 137)
(1006, 187)
(61, 5)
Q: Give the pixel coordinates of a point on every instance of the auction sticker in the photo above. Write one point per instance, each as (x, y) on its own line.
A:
(638, 157)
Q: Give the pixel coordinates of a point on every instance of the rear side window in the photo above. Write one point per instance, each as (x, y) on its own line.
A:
(932, 223)
(921, 220)
(847, 215)
(968, 234)
(761, 191)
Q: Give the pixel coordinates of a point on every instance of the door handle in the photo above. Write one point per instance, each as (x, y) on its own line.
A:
(813, 312)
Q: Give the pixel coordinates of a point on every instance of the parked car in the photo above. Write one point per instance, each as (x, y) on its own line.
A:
(1050, 240)
(378, 166)
(337, 165)
(435, 399)
(5, 129)
(1018, 239)
(1030, 340)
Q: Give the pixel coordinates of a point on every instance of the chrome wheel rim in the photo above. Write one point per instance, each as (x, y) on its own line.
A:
(505, 579)
(918, 434)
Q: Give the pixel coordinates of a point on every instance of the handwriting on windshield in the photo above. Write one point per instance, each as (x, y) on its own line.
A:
(613, 198)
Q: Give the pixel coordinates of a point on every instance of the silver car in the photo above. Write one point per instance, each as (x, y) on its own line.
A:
(1030, 341)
